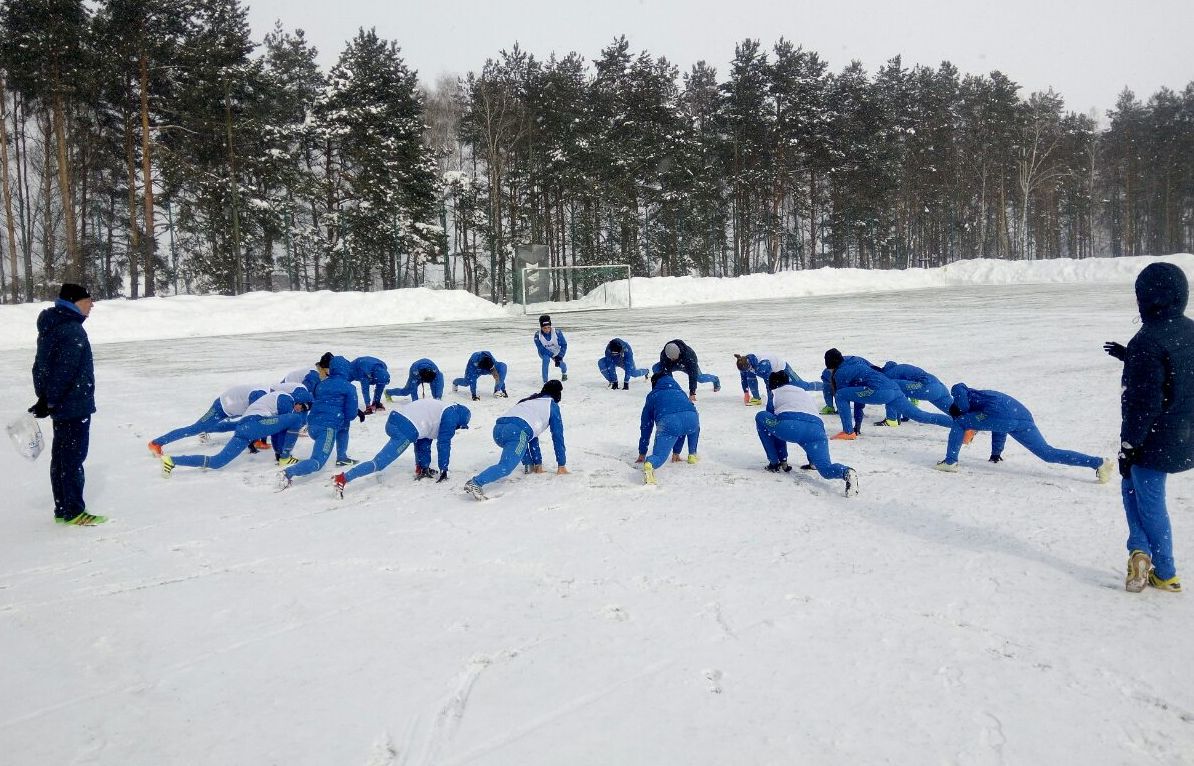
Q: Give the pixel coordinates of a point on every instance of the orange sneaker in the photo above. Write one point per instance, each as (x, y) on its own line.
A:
(847, 436)
(155, 449)
(968, 436)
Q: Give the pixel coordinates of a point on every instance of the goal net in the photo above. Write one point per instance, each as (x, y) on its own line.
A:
(573, 288)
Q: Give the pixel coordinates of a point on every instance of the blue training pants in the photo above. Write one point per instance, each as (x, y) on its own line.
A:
(205, 424)
(805, 430)
(670, 433)
(1023, 431)
(1148, 519)
(512, 436)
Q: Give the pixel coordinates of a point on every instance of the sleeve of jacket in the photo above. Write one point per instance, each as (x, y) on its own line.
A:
(563, 342)
(539, 346)
(556, 424)
(646, 425)
(63, 360)
(351, 403)
(693, 370)
(437, 386)
(443, 440)
(381, 375)
(1143, 397)
(628, 357)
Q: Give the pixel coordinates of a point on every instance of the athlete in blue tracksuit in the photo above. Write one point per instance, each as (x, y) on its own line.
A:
(916, 384)
(618, 353)
(423, 371)
(674, 418)
(517, 433)
(278, 416)
(678, 355)
(305, 376)
(232, 403)
(483, 363)
(416, 423)
(552, 346)
(1156, 420)
(1003, 416)
(752, 368)
(336, 404)
(370, 372)
(792, 416)
(857, 381)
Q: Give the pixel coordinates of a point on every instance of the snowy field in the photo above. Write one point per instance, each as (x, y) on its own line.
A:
(727, 616)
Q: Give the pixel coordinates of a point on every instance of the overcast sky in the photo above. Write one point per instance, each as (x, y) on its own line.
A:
(1086, 50)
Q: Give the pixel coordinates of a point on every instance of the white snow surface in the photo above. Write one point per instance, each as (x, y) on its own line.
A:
(726, 616)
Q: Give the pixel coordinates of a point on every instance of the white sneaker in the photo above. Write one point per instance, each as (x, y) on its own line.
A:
(1104, 471)
(851, 482)
(947, 467)
(282, 481)
(1139, 565)
(474, 489)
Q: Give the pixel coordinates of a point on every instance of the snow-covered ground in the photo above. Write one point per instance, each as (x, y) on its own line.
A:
(727, 616)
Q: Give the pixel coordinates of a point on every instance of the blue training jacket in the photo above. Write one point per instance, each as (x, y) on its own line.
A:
(336, 401)
(626, 359)
(992, 404)
(911, 374)
(543, 352)
(856, 372)
(63, 370)
(665, 399)
(1157, 399)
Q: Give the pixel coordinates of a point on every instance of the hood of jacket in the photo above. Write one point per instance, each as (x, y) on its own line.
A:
(58, 314)
(339, 368)
(1161, 292)
(961, 395)
(665, 383)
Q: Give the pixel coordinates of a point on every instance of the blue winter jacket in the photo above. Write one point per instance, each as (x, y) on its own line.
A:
(665, 399)
(988, 404)
(63, 370)
(687, 361)
(856, 372)
(336, 401)
(1157, 399)
(911, 374)
(625, 359)
(368, 370)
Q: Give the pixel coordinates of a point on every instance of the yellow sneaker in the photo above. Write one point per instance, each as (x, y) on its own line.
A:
(648, 473)
(694, 458)
(1104, 471)
(1173, 584)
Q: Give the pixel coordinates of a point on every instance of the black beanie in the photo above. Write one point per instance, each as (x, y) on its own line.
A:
(777, 379)
(615, 346)
(325, 361)
(833, 358)
(544, 319)
(485, 362)
(554, 389)
(426, 374)
(73, 293)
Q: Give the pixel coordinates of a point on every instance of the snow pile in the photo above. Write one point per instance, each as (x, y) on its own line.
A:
(190, 316)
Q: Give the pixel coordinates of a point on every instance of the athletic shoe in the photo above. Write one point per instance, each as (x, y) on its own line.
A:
(155, 449)
(1104, 471)
(286, 462)
(828, 410)
(626, 385)
(772, 467)
(716, 387)
(887, 422)
(476, 398)
(204, 438)
(338, 484)
(1140, 565)
(648, 473)
(947, 467)
(474, 489)
(389, 398)
(613, 386)
(808, 467)
(851, 482)
(845, 436)
(422, 472)
(282, 481)
(499, 395)
(753, 402)
(86, 519)
(693, 459)
(968, 436)
(563, 376)
(346, 462)
(455, 388)
(1173, 584)
(262, 444)
(676, 457)
(167, 466)
(379, 407)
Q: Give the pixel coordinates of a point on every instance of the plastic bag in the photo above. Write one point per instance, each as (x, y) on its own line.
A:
(26, 436)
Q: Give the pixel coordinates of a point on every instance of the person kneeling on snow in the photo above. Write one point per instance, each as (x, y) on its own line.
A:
(517, 433)
(416, 423)
(674, 418)
(792, 416)
(618, 353)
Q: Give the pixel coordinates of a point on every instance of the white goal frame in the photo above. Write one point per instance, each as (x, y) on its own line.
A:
(577, 305)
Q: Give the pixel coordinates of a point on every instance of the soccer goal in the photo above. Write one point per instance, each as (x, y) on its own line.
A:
(573, 288)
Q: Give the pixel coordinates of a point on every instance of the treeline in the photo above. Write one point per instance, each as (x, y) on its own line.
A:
(150, 146)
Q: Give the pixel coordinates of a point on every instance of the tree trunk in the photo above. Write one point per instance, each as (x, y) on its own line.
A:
(147, 184)
(74, 271)
(130, 164)
(8, 220)
(49, 242)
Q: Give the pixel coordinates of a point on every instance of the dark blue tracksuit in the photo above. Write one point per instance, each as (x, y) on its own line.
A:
(414, 381)
(803, 428)
(610, 362)
(917, 384)
(856, 381)
(686, 363)
(336, 404)
(1157, 409)
(473, 373)
(371, 373)
(673, 417)
(1004, 416)
(283, 429)
(64, 375)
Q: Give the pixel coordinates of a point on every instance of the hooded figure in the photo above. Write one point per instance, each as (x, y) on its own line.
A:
(1157, 421)
(552, 346)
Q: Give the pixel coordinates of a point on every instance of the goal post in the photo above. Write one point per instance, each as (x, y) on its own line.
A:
(573, 288)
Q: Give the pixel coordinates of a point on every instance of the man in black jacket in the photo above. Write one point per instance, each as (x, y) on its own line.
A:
(1157, 408)
(64, 381)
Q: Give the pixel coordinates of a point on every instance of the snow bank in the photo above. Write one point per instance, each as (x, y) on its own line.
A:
(189, 316)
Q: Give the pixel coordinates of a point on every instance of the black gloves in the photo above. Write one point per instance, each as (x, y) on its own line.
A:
(955, 411)
(443, 476)
(476, 398)
(361, 415)
(995, 459)
(557, 359)
(40, 409)
(1127, 458)
(1117, 350)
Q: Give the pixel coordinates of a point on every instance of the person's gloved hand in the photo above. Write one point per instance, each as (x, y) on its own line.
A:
(40, 409)
(995, 459)
(443, 476)
(557, 359)
(1117, 350)
(361, 415)
(1128, 455)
